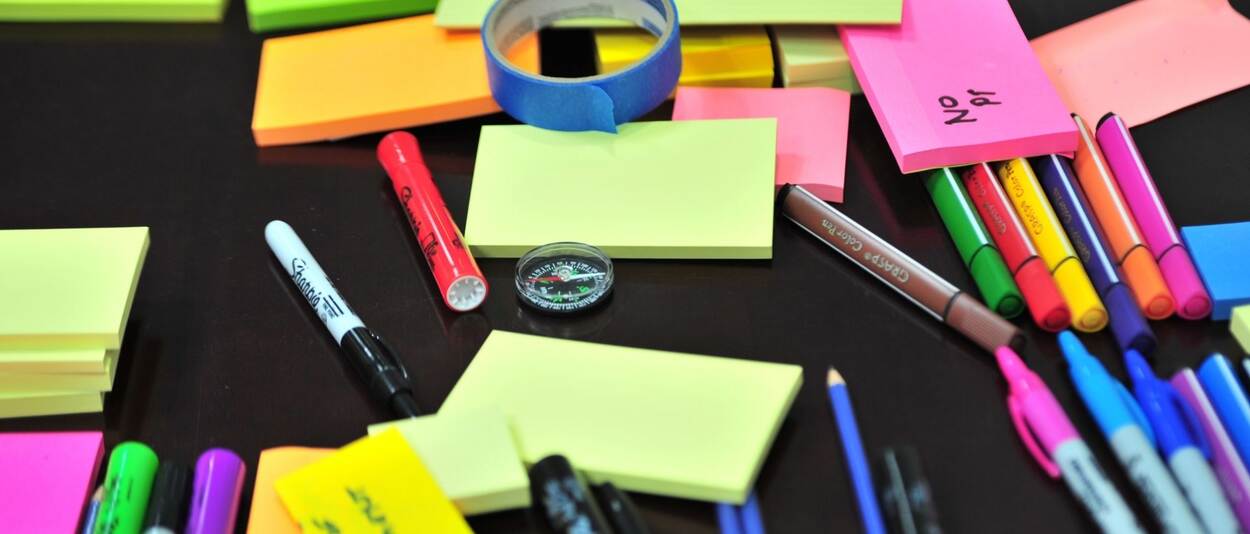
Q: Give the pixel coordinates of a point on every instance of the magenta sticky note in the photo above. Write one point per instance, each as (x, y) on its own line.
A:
(957, 83)
(811, 128)
(46, 478)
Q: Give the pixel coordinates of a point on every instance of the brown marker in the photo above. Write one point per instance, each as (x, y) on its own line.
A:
(920, 285)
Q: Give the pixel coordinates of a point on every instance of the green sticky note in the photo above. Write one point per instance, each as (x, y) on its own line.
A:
(68, 288)
(813, 56)
(17, 382)
(681, 425)
(1239, 324)
(55, 360)
(686, 189)
(465, 14)
(272, 15)
(472, 457)
(112, 10)
(35, 403)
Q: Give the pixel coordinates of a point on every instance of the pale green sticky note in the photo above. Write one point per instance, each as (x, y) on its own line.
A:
(68, 288)
(112, 10)
(1239, 323)
(676, 190)
(34, 403)
(813, 56)
(467, 14)
(17, 382)
(681, 425)
(54, 360)
(472, 457)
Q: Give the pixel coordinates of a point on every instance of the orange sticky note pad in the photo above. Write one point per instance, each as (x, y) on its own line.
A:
(371, 78)
(268, 515)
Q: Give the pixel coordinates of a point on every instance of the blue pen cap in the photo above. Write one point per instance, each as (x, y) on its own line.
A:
(1220, 382)
(1128, 325)
(1105, 397)
(1174, 423)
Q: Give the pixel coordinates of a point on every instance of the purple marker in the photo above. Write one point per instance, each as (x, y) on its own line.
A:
(1228, 465)
(218, 484)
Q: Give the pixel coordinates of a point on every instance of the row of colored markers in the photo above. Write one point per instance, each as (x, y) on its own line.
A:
(137, 496)
(1185, 443)
(1010, 234)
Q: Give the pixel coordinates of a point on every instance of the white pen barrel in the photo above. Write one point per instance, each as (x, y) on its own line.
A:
(1153, 481)
(1203, 489)
(1090, 485)
(310, 280)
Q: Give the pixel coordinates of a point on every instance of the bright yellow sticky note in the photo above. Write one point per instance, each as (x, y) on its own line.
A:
(710, 57)
(371, 78)
(672, 190)
(681, 425)
(68, 288)
(374, 484)
(472, 457)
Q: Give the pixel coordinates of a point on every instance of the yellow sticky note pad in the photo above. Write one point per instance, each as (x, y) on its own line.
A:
(16, 382)
(374, 484)
(710, 57)
(371, 78)
(68, 288)
(55, 360)
(671, 190)
(680, 425)
(472, 457)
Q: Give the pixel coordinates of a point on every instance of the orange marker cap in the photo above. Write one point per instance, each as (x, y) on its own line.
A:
(1151, 292)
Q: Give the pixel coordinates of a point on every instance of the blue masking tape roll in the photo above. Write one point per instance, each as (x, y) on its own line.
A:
(577, 104)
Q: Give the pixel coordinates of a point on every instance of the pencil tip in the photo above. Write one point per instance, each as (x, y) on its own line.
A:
(834, 377)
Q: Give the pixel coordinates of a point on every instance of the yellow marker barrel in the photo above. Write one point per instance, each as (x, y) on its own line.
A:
(1088, 312)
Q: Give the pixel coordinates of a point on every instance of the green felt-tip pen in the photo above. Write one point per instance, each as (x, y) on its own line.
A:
(975, 247)
(132, 466)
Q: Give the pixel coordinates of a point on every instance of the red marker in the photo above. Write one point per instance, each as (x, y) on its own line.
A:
(457, 275)
(1041, 294)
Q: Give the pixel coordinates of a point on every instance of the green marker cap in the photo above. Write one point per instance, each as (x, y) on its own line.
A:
(978, 252)
(127, 485)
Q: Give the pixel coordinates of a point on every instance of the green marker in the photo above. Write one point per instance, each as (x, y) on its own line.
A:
(980, 255)
(132, 466)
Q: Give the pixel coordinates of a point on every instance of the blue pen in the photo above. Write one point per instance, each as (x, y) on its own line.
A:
(1182, 444)
(1218, 379)
(1127, 323)
(1128, 433)
(856, 463)
(752, 520)
(727, 518)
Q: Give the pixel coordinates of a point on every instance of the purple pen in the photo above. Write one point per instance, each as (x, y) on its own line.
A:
(1224, 458)
(218, 484)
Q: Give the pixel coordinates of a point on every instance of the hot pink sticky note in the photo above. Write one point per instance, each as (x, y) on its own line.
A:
(46, 479)
(957, 83)
(1148, 58)
(811, 128)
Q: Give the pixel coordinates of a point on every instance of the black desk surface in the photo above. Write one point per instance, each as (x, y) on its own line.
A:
(117, 125)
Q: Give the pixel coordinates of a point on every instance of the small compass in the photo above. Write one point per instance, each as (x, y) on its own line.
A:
(564, 277)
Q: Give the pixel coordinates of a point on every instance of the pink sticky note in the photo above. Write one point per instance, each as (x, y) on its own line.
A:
(811, 128)
(1148, 58)
(46, 479)
(957, 83)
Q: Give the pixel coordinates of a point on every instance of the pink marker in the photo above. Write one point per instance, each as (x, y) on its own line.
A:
(1142, 197)
(1039, 417)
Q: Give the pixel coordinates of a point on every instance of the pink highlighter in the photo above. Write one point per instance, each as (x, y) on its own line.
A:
(1038, 417)
(1142, 197)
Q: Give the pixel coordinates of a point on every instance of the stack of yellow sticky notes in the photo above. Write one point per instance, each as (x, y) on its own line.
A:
(813, 56)
(710, 56)
(65, 297)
